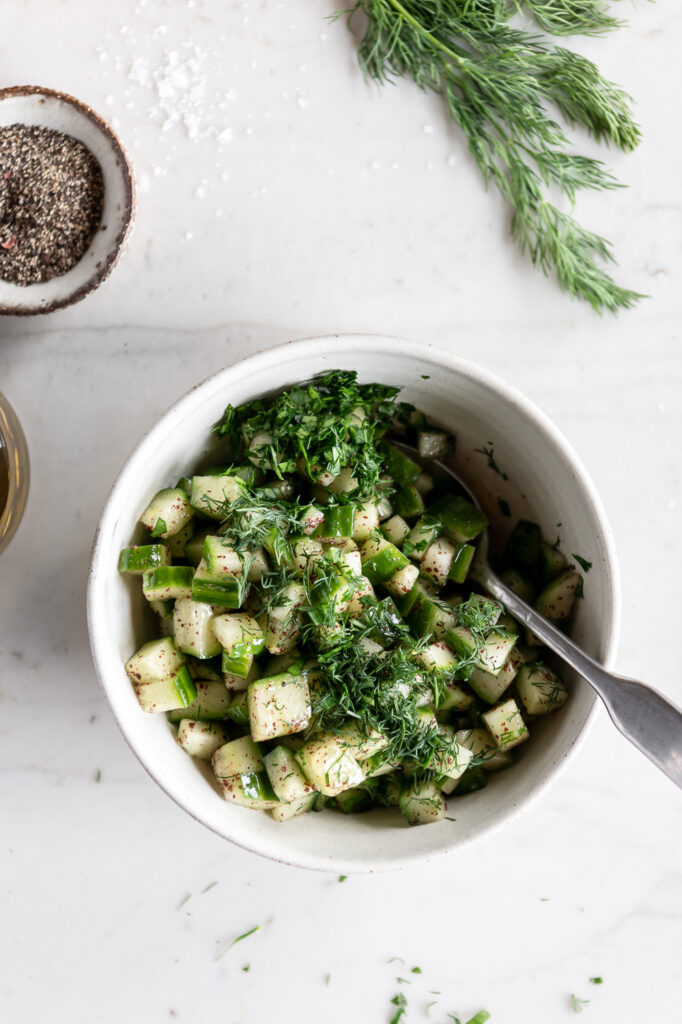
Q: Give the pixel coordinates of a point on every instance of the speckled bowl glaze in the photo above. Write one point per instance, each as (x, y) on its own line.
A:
(546, 480)
(32, 105)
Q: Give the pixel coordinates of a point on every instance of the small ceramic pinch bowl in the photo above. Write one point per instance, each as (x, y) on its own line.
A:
(545, 482)
(32, 105)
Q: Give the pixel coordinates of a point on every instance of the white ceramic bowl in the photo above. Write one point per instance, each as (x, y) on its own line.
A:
(33, 105)
(478, 408)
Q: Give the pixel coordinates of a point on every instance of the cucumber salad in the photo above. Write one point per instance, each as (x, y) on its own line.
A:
(320, 640)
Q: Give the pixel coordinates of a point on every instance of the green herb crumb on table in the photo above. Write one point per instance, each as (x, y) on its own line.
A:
(500, 80)
(320, 649)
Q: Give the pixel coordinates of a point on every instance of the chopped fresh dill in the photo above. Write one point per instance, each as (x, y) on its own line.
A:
(342, 878)
(395, 959)
(480, 1018)
(582, 562)
(403, 981)
(183, 901)
(577, 1005)
(239, 938)
(597, 981)
(98, 775)
(209, 886)
(327, 978)
(416, 970)
(246, 968)
(490, 456)
(401, 1002)
(426, 376)
(324, 426)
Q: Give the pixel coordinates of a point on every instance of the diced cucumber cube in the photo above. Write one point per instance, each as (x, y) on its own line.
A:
(437, 560)
(344, 483)
(399, 466)
(212, 495)
(156, 660)
(490, 687)
(540, 689)
(167, 581)
(506, 725)
(236, 683)
(287, 780)
(200, 739)
(432, 444)
(352, 801)
(282, 628)
(306, 552)
(408, 502)
(238, 757)
(552, 561)
(489, 654)
(212, 701)
(381, 560)
(179, 541)
(222, 589)
(557, 599)
(167, 512)
(422, 803)
(192, 628)
(454, 697)
(137, 560)
(361, 744)
(242, 638)
(461, 562)
(438, 658)
(524, 546)
(430, 617)
(455, 760)
(278, 705)
(421, 536)
(366, 520)
(519, 584)
(177, 691)
(424, 484)
(221, 559)
(285, 812)
(329, 765)
(250, 790)
(461, 520)
(238, 711)
(395, 530)
(479, 742)
(402, 582)
(337, 522)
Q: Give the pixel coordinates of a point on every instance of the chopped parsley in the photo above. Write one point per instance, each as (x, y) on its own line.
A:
(577, 1005)
(342, 878)
(582, 562)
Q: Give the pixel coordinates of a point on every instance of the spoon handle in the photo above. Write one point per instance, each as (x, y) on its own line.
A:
(642, 714)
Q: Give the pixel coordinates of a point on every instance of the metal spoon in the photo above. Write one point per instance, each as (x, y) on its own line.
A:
(643, 715)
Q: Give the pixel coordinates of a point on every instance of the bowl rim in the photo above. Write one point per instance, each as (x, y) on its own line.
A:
(129, 211)
(426, 352)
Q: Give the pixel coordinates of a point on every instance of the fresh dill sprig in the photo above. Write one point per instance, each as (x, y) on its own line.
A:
(498, 83)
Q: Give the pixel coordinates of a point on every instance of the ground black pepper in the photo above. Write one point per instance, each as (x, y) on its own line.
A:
(51, 197)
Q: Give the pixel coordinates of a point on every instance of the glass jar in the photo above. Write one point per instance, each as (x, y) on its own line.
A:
(14, 472)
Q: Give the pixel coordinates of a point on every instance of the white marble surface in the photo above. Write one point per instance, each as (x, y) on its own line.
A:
(289, 199)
